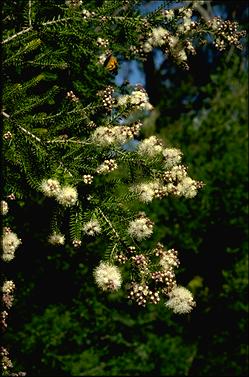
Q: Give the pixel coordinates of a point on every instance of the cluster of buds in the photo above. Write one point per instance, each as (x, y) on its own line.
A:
(107, 99)
(160, 192)
(131, 249)
(167, 278)
(101, 42)
(169, 259)
(226, 33)
(7, 135)
(5, 360)
(72, 97)
(87, 179)
(169, 281)
(121, 258)
(91, 125)
(11, 197)
(107, 166)
(6, 364)
(159, 250)
(140, 261)
(76, 243)
(4, 315)
(142, 295)
(73, 3)
(8, 289)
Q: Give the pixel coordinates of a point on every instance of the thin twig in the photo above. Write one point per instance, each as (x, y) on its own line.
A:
(110, 224)
(30, 10)
(23, 129)
(16, 35)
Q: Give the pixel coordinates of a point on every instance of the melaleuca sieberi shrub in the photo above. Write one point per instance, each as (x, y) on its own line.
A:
(73, 138)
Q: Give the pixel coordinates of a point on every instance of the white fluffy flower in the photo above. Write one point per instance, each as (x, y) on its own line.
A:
(67, 196)
(10, 243)
(123, 100)
(92, 228)
(172, 156)
(181, 300)
(187, 188)
(107, 276)
(56, 239)
(103, 136)
(146, 191)
(8, 286)
(140, 228)
(50, 187)
(150, 147)
(138, 99)
(158, 36)
(106, 136)
(4, 207)
(169, 14)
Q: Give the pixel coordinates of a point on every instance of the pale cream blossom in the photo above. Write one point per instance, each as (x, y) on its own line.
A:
(107, 276)
(181, 300)
(92, 228)
(67, 196)
(10, 243)
(172, 157)
(50, 187)
(56, 239)
(8, 287)
(187, 188)
(150, 147)
(140, 228)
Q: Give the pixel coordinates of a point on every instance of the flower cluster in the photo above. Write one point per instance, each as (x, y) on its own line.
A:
(66, 195)
(179, 183)
(141, 227)
(50, 187)
(141, 294)
(102, 42)
(180, 300)
(4, 207)
(72, 97)
(6, 364)
(150, 147)
(56, 239)
(172, 157)
(8, 289)
(107, 97)
(10, 243)
(106, 136)
(92, 228)
(226, 33)
(73, 3)
(107, 166)
(107, 276)
(138, 99)
(7, 135)
(87, 179)
(140, 261)
(146, 192)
